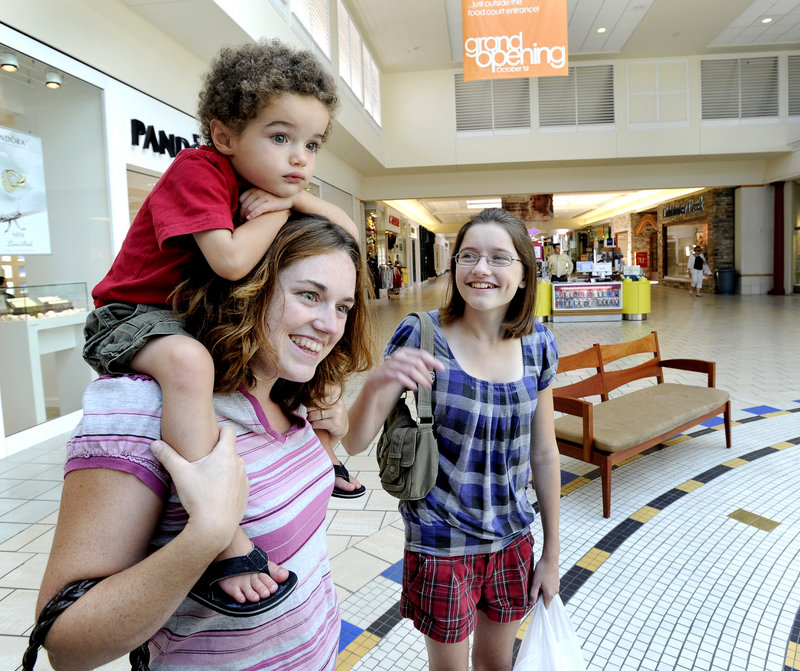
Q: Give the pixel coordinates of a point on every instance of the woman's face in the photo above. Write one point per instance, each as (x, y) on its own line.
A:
(307, 313)
(540, 203)
(485, 287)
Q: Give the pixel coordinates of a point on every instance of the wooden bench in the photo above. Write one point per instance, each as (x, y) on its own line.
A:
(615, 429)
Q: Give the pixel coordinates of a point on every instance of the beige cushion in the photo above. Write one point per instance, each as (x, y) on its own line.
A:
(641, 415)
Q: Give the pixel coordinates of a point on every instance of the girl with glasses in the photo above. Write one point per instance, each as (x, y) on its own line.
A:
(469, 558)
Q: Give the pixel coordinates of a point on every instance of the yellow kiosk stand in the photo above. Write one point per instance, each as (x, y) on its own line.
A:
(635, 299)
(543, 307)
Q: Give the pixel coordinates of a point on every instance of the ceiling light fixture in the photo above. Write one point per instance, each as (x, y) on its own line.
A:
(52, 80)
(9, 62)
(766, 19)
(601, 30)
(480, 204)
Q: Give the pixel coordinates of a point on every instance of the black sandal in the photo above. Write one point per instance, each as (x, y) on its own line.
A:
(341, 472)
(206, 592)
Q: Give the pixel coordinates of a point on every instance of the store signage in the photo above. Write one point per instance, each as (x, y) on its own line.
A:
(24, 227)
(159, 141)
(394, 222)
(642, 259)
(682, 209)
(506, 39)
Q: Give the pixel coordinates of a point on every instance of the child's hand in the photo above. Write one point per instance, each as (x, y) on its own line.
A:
(255, 202)
(332, 419)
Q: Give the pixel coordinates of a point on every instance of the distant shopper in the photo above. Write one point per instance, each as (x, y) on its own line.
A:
(264, 110)
(560, 265)
(698, 267)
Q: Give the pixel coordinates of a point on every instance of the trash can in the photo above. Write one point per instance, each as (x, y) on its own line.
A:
(726, 280)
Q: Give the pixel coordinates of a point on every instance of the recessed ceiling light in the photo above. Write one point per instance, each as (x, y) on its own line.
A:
(601, 30)
(766, 19)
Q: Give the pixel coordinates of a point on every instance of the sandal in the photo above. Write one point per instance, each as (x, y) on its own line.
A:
(341, 472)
(206, 591)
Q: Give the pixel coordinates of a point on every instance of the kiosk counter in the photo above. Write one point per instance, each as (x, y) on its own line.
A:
(605, 300)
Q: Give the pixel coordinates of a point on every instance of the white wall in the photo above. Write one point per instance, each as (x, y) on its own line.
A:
(754, 206)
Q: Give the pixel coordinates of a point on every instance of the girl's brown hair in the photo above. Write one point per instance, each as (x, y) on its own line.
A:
(229, 318)
(519, 318)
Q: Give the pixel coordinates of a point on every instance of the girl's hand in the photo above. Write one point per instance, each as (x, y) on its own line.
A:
(409, 366)
(255, 202)
(545, 580)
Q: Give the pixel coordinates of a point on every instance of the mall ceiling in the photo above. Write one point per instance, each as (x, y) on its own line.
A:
(416, 35)
(411, 35)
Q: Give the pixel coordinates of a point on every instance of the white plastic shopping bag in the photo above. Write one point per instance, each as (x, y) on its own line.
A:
(550, 643)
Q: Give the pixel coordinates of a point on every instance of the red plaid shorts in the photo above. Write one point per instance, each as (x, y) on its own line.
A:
(443, 594)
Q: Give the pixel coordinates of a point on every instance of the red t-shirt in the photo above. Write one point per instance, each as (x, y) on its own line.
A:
(198, 192)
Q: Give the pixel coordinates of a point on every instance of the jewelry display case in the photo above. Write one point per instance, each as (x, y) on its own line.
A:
(43, 301)
(41, 361)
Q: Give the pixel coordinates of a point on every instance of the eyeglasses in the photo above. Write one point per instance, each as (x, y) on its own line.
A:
(471, 259)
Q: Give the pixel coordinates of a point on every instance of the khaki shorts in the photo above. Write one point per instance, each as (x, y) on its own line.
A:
(116, 332)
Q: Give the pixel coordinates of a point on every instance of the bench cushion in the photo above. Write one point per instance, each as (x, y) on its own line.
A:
(639, 416)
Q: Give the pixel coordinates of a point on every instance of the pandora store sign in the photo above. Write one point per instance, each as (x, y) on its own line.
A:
(159, 141)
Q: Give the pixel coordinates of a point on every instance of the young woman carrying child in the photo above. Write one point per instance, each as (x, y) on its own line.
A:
(265, 109)
(310, 287)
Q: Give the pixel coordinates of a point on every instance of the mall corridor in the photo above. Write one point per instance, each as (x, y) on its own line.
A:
(690, 588)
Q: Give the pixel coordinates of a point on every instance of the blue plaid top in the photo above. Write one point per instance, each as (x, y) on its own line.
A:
(479, 502)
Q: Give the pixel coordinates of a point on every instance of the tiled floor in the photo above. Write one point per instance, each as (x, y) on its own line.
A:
(697, 568)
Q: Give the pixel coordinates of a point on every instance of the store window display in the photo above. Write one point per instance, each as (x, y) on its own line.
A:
(54, 210)
(680, 241)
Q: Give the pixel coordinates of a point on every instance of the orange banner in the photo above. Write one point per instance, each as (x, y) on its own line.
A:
(504, 39)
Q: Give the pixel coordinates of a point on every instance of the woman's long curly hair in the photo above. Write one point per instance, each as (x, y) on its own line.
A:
(242, 81)
(229, 318)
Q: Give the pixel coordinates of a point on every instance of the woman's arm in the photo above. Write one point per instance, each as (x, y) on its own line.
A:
(546, 470)
(406, 368)
(99, 533)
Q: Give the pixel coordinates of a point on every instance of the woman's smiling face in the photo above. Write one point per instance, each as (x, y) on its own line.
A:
(307, 313)
(485, 287)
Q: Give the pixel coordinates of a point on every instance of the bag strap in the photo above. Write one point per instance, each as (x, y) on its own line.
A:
(424, 407)
(67, 595)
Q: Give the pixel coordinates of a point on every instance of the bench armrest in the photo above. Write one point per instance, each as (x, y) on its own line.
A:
(693, 365)
(583, 409)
